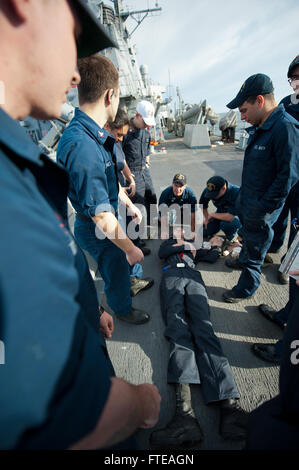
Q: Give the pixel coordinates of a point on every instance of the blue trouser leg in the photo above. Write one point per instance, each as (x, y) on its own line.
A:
(138, 198)
(114, 269)
(112, 263)
(217, 378)
(274, 425)
(150, 197)
(231, 228)
(196, 354)
(280, 226)
(283, 314)
(257, 237)
(136, 269)
(182, 366)
(278, 348)
(212, 228)
(269, 428)
(289, 368)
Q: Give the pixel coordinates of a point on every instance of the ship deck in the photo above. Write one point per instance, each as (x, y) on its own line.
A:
(140, 353)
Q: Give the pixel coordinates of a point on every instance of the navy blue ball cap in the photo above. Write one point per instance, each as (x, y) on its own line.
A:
(93, 37)
(258, 84)
(293, 64)
(180, 178)
(214, 185)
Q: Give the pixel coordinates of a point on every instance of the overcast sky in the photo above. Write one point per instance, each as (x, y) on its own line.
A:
(210, 47)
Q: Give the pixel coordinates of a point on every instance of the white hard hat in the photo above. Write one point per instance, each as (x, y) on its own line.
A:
(147, 111)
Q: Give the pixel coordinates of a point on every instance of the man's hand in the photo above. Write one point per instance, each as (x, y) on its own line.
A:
(134, 255)
(106, 325)
(130, 190)
(135, 213)
(150, 399)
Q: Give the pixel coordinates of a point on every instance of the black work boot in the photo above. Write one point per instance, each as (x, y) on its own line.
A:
(282, 278)
(183, 431)
(137, 285)
(230, 297)
(135, 317)
(233, 263)
(233, 420)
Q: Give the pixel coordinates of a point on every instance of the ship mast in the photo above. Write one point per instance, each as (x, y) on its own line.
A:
(125, 14)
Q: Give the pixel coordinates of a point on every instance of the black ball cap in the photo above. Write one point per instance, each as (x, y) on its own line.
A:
(214, 185)
(258, 84)
(293, 64)
(93, 37)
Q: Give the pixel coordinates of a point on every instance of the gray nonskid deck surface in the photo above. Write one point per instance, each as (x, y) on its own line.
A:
(140, 353)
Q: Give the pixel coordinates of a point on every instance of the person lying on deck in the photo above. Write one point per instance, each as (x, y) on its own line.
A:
(196, 356)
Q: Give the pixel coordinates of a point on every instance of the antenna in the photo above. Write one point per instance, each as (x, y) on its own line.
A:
(139, 18)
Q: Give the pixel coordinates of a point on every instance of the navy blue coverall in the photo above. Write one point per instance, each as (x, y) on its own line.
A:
(275, 424)
(224, 204)
(85, 150)
(196, 355)
(136, 147)
(292, 201)
(136, 269)
(56, 376)
(270, 171)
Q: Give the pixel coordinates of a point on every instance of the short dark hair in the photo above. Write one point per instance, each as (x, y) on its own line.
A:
(121, 120)
(98, 74)
(267, 96)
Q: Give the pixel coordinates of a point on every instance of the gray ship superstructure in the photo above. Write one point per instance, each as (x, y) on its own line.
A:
(134, 81)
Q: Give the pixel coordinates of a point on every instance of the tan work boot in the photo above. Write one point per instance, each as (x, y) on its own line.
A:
(138, 285)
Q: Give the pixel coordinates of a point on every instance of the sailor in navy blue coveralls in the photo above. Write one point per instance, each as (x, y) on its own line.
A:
(291, 105)
(272, 352)
(180, 199)
(136, 146)
(274, 425)
(49, 307)
(224, 204)
(93, 189)
(188, 197)
(270, 171)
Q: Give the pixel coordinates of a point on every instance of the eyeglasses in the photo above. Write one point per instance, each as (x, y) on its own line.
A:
(293, 78)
